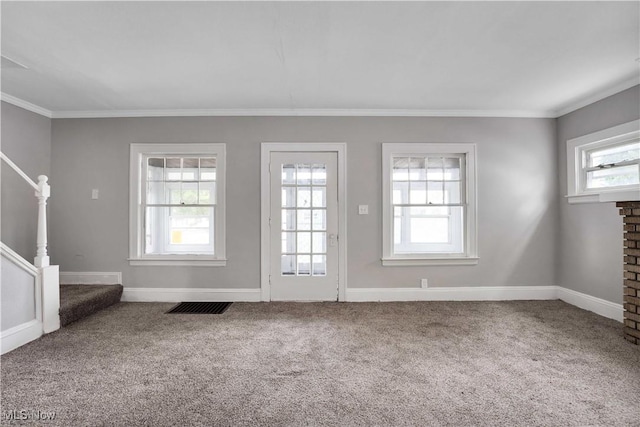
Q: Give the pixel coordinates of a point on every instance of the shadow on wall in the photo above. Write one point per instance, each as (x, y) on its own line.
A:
(524, 198)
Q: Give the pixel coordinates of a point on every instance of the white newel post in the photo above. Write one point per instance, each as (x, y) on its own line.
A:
(43, 193)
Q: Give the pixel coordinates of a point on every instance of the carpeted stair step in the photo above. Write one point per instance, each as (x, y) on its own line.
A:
(79, 301)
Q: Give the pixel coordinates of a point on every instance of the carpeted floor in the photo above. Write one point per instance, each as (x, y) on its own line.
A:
(522, 363)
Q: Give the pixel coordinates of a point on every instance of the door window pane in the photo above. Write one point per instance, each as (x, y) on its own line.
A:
(319, 175)
(304, 197)
(304, 187)
(304, 175)
(304, 219)
(288, 197)
(288, 174)
(288, 265)
(304, 265)
(289, 243)
(304, 242)
(288, 219)
(319, 219)
(319, 198)
(319, 242)
(319, 265)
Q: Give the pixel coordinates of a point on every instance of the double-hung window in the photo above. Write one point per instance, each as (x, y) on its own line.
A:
(429, 204)
(605, 166)
(177, 204)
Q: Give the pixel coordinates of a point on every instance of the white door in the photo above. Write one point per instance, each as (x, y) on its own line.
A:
(304, 226)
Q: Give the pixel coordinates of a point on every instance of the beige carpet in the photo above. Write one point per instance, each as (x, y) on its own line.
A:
(522, 363)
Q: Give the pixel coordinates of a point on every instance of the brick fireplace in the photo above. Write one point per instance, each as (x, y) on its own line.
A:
(631, 220)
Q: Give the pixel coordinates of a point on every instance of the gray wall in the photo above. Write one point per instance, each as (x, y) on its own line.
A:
(591, 234)
(26, 140)
(518, 195)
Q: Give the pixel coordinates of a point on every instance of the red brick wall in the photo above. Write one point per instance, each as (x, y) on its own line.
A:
(631, 213)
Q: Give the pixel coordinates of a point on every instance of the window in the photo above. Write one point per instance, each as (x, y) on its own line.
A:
(177, 204)
(429, 196)
(605, 166)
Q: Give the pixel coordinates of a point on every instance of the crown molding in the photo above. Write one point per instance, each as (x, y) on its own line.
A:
(302, 113)
(329, 112)
(598, 95)
(10, 99)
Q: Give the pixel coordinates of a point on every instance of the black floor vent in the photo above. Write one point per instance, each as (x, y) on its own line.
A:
(200, 307)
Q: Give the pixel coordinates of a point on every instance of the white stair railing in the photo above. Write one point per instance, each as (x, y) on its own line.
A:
(48, 275)
(43, 191)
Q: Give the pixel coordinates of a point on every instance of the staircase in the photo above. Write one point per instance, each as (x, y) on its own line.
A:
(80, 301)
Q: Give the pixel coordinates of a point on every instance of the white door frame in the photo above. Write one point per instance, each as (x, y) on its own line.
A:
(265, 207)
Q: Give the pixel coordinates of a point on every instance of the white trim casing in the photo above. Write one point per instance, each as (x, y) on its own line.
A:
(265, 188)
(575, 146)
(490, 293)
(33, 329)
(463, 293)
(326, 112)
(26, 105)
(90, 278)
(136, 250)
(20, 335)
(467, 293)
(189, 294)
(599, 306)
(470, 256)
(14, 257)
(598, 95)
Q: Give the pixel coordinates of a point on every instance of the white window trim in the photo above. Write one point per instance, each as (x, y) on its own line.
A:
(136, 229)
(575, 148)
(470, 256)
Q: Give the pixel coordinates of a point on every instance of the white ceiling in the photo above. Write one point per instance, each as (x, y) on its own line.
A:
(535, 59)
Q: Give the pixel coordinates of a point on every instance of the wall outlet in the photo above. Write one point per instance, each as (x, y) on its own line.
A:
(424, 283)
(94, 194)
(363, 209)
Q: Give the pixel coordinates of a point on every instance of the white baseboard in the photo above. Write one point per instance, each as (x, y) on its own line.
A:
(467, 293)
(587, 302)
(189, 294)
(90, 278)
(490, 293)
(20, 335)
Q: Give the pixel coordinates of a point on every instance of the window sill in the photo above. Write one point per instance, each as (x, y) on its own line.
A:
(605, 196)
(178, 262)
(390, 262)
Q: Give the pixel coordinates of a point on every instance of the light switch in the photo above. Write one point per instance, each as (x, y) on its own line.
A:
(94, 194)
(363, 209)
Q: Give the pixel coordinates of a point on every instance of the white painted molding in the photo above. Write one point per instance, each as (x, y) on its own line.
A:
(20, 335)
(26, 105)
(466, 293)
(597, 96)
(189, 294)
(266, 148)
(50, 282)
(303, 112)
(327, 112)
(490, 293)
(13, 256)
(19, 171)
(599, 306)
(90, 278)
(429, 261)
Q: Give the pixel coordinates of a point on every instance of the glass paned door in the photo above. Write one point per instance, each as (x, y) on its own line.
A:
(304, 250)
